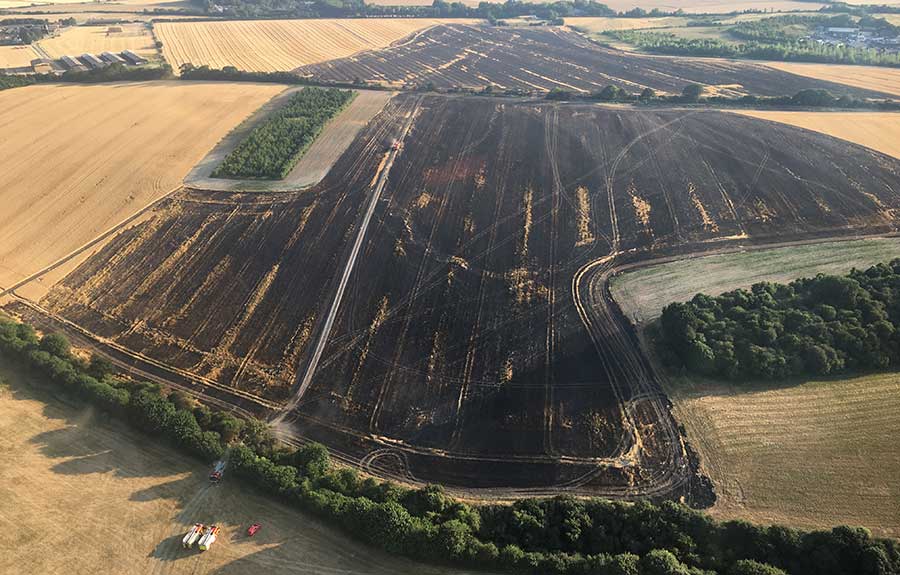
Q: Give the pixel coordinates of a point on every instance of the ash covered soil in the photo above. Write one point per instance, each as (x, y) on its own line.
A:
(459, 344)
(538, 60)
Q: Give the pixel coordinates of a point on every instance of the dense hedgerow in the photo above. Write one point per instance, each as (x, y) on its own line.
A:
(271, 149)
(812, 326)
(558, 536)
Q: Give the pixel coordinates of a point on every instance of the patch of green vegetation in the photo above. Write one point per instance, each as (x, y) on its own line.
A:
(272, 149)
(783, 38)
(812, 326)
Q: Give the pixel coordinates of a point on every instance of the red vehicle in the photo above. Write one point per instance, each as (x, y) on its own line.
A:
(251, 531)
(216, 474)
(395, 145)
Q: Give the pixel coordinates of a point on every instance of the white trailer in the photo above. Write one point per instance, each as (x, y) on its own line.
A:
(209, 537)
(192, 536)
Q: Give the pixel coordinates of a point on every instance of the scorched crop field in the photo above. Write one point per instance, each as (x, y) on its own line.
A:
(539, 60)
(472, 346)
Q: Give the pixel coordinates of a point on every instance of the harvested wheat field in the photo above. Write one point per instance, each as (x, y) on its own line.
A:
(688, 6)
(96, 39)
(278, 45)
(124, 502)
(601, 24)
(816, 454)
(16, 56)
(80, 159)
(877, 130)
(877, 78)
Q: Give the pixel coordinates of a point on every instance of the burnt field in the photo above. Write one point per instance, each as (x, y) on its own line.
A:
(459, 353)
(538, 60)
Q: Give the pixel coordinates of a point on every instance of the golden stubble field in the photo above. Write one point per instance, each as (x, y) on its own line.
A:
(278, 45)
(81, 497)
(877, 130)
(878, 78)
(77, 40)
(16, 56)
(807, 454)
(79, 160)
(688, 6)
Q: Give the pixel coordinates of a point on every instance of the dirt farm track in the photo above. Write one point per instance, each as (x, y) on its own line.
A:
(476, 344)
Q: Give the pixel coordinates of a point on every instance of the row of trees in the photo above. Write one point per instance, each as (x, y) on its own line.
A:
(271, 149)
(693, 94)
(111, 73)
(557, 536)
(811, 326)
(668, 43)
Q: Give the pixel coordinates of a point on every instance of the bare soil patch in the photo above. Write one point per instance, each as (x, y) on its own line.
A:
(80, 159)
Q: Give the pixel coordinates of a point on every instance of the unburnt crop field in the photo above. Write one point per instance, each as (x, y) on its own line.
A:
(77, 40)
(458, 353)
(277, 45)
(80, 159)
(539, 60)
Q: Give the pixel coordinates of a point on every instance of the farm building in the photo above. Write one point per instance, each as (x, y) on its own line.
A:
(112, 58)
(42, 66)
(133, 58)
(70, 63)
(92, 61)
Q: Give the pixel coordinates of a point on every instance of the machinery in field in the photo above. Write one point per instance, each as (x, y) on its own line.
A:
(192, 536)
(209, 537)
(218, 470)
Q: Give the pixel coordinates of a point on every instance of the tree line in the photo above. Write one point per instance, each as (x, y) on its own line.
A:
(111, 73)
(272, 148)
(556, 536)
(810, 327)
(693, 94)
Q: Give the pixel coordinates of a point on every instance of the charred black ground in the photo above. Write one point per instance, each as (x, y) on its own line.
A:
(539, 60)
(463, 352)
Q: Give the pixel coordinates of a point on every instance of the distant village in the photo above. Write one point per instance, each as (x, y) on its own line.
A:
(881, 38)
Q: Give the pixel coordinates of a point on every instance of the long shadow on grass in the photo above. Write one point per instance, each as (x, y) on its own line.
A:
(289, 542)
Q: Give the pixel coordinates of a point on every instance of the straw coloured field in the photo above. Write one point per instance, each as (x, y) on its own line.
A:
(600, 24)
(688, 6)
(16, 56)
(124, 502)
(813, 455)
(877, 130)
(278, 45)
(95, 39)
(885, 80)
(80, 159)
